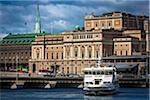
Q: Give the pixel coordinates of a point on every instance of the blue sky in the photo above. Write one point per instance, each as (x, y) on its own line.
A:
(63, 15)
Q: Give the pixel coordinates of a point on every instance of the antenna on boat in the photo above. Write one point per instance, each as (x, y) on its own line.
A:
(99, 61)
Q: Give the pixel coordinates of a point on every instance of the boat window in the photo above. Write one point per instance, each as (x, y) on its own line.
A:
(87, 82)
(106, 73)
(98, 72)
(96, 82)
(85, 72)
(91, 83)
(94, 73)
(102, 72)
(90, 72)
(110, 72)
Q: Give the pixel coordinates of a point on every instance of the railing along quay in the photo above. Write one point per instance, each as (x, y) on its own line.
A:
(38, 81)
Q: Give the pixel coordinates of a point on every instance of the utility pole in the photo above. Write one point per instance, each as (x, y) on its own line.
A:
(16, 68)
(5, 64)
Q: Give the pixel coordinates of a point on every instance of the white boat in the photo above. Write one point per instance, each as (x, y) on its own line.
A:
(100, 80)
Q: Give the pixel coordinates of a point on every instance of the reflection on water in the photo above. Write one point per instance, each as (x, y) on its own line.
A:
(98, 98)
(71, 94)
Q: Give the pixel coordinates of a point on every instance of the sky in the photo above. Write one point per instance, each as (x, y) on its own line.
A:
(60, 15)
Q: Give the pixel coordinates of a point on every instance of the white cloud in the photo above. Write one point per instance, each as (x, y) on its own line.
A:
(2, 35)
(61, 24)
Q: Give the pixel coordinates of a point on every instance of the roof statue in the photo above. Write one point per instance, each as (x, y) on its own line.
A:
(77, 27)
(38, 21)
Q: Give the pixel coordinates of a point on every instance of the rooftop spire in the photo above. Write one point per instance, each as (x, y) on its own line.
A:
(38, 21)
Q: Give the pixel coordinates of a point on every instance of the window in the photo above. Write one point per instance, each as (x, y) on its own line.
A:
(102, 24)
(62, 55)
(47, 55)
(75, 70)
(96, 54)
(126, 52)
(82, 51)
(76, 51)
(67, 70)
(57, 55)
(67, 37)
(86, 72)
(37, 55)
(98, 72)
(62, 69)
(75, 36)
(115, 52)
(89, 36)
(52, 55)
(96, 35)
(68, 51)
(120, 52)
(96, 24)
(90, 52)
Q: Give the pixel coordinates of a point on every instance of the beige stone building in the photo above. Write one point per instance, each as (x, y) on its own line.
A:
(70, 52)
(116, 37)
(115, 20)
(126, 46)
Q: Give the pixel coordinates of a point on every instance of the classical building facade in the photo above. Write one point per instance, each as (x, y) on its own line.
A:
(116, 37)
(71, 51)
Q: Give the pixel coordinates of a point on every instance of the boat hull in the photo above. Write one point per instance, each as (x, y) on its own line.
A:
(100, 91)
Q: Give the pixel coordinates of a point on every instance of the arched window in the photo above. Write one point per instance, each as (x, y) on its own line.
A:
(121, 52)
(82, 51)
(76, 51)
(90, 51)
(75, 70)
(68, 51)
(62, 55)
(102, 24)
(97, 54)
(52, 55)
(67, 70)
(57, 55)
(47, 55)
(126, 52)
(96, 24)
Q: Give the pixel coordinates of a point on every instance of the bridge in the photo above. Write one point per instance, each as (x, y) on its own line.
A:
(15, 80)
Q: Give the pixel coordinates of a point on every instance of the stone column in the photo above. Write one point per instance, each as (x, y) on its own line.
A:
(71, 52)
(79, 52)
(86, 52)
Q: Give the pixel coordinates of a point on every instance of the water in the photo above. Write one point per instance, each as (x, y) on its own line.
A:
(71, 94)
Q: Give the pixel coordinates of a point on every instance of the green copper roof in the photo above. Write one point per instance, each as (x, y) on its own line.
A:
(20, 38)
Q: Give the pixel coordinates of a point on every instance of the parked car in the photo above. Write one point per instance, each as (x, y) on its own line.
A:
(44, 72)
